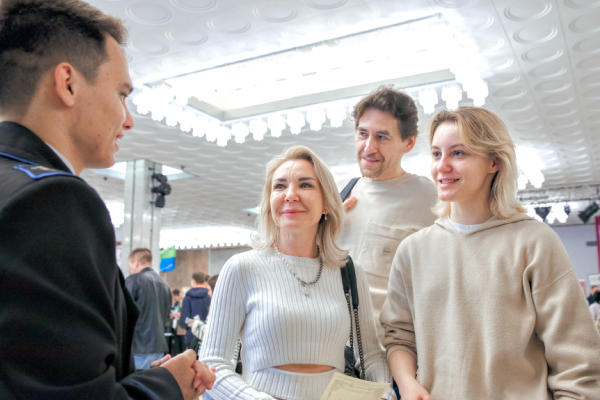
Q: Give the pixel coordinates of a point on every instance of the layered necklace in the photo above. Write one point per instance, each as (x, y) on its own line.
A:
(302, 283)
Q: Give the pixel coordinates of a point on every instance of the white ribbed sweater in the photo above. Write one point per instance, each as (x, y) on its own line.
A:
(257, 298)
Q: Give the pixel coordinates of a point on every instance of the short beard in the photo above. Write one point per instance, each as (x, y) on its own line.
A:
(371, 174)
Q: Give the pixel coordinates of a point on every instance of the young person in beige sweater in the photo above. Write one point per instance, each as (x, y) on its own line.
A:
(445, 336)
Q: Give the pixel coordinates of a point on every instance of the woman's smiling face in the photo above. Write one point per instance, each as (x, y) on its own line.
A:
(296, 196)
(459, 176)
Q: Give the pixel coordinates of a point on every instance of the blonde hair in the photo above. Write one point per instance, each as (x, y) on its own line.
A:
(328, 230)
(485, 135)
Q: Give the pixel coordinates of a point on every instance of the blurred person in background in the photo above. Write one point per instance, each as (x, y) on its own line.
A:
(592, 297)
(63, 83)
(212, 281)
(539, 342)
(195, 303)
(595, 307)
(285, 298)
(152, 295)
(177, 343)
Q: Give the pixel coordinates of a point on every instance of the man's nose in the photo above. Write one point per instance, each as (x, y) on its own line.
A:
(371, 145)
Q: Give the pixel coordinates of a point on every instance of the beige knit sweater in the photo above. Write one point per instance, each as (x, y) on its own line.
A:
(493, 314)
(386, 212)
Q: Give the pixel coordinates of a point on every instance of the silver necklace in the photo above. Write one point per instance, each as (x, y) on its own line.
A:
(302, 283)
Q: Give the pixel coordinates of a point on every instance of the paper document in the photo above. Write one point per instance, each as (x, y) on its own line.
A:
(343, 387)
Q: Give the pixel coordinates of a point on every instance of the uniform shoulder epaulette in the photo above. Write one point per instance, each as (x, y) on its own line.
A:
(38, 171)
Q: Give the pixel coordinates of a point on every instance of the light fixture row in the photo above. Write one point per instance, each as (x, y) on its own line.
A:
(163, 103)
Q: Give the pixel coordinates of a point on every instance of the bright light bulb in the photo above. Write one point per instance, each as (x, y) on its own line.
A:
(224, 134)
(336, 114)
(296, 121)
(315, 117)
(212, 132)
(240, 131)
(276, 124)
(451, 95)
(258, 128)
(200, 125)
(428, 98)
(558, 209)
(174, 113)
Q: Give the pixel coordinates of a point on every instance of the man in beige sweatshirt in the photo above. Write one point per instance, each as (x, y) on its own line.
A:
(387, 204)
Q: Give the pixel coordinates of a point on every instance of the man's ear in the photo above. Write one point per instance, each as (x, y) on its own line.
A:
(65, 83)
(410, 144)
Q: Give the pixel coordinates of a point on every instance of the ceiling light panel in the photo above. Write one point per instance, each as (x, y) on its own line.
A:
(380, 55)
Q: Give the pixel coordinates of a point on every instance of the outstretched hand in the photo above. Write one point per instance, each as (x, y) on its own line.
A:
(349, 203)
(415, 392)
(192, 376)
(205, 377)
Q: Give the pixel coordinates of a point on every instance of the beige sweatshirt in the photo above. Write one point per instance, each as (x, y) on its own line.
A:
(386, 213)
(493, 314)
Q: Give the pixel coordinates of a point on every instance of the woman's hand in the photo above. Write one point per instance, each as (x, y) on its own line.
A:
(414, 391)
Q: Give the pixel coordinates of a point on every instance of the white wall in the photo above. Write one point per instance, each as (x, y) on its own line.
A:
(584, 258)
(218, 258)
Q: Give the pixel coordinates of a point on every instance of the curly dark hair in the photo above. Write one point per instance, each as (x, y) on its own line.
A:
(37, 35)
(395, 102)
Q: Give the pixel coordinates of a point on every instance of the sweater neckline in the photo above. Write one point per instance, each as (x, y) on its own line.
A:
(295, 262)
(385, 184)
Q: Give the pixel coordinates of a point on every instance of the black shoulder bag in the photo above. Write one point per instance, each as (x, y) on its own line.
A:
(348, 189)
(350, 291)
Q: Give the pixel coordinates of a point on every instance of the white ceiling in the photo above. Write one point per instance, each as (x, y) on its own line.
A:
(540, 58)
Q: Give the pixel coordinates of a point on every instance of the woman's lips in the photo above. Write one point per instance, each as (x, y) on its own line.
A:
(447, 182)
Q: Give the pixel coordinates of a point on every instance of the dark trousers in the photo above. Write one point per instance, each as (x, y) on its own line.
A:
(176, 345)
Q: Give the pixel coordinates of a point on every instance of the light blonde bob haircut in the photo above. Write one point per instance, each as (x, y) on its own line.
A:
(328, 230)
(485, 135)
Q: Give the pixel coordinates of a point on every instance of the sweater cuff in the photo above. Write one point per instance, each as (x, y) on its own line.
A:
(390, 395)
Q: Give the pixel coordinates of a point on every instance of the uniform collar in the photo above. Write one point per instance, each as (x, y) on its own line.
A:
(63, 159)
(20, 142)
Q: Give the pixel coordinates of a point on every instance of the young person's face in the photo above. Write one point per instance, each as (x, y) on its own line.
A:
(459, 176)
(296, 197)
(103, 114)
(379, 145)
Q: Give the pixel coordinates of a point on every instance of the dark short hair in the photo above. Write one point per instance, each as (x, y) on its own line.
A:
(176, 292)
(199, 277)
(397, 103)
(37, 35)
(141, 254)
(212, 281)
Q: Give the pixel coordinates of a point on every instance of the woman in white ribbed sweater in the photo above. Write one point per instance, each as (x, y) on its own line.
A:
(285, 298)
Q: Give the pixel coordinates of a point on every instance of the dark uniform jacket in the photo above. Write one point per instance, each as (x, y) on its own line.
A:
(153, 297)
(66, 318)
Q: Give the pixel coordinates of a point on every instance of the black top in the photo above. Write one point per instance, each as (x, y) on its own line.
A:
(66, 318)
(152, 295)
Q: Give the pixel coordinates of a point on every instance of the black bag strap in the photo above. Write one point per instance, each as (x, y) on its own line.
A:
(351, 292)
(348, 189)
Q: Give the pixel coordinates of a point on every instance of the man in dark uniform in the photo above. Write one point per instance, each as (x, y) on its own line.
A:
(66, 318)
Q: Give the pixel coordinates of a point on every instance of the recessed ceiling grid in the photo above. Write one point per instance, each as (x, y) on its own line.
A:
(540, 52)
(521, 46)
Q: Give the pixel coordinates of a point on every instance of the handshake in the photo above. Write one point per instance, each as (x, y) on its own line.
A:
(193, 377)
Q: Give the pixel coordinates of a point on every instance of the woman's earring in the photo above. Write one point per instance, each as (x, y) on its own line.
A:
(325, 217)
